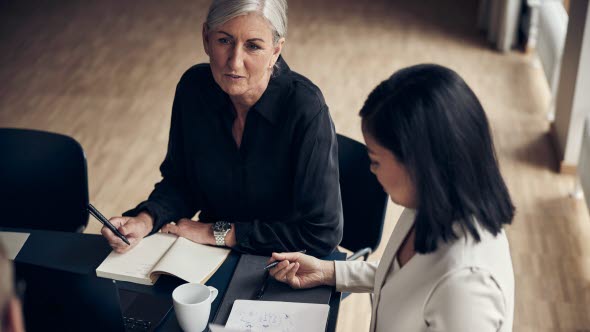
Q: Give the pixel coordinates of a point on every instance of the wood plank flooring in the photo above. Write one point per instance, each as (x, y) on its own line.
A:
(104, 72)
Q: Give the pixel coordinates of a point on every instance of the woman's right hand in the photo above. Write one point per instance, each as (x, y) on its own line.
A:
(133, 228)
(302, 271)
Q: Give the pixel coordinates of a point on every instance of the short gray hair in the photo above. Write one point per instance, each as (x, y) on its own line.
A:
(274, 11)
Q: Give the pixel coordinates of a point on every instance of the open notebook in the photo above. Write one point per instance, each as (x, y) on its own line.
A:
(163, 254)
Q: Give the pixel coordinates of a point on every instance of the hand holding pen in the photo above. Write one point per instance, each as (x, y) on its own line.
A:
(275, 263)
(262, 288)
(93, 211)
(302, 271)
(132, 229)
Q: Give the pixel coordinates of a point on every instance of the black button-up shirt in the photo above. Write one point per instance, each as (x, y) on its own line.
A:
(280, 188)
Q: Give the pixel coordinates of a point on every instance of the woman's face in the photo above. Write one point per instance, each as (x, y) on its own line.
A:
(392, 174)
(242, 54)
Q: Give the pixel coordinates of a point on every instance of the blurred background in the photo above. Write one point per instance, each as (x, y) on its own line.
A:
(105, 72)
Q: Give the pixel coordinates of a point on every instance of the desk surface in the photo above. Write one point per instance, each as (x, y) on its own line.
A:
(82, 253)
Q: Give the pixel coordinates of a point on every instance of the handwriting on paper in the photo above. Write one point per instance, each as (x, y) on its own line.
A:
(275, 316)
(265, 321)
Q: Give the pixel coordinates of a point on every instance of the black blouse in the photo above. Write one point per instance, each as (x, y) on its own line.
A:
(280, 188)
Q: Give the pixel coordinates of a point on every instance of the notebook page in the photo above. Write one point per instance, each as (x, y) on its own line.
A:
(191, 261)
(271, 316)
(136, 264)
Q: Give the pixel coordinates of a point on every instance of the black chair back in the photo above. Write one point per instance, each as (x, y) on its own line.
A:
(363, 200)
(43, 181)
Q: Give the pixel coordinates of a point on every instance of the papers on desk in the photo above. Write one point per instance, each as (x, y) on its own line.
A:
(219, 328)
(13, 242)
(271, 316)
(163, 254)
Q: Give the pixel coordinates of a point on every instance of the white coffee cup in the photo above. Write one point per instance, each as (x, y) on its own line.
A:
(192, 304)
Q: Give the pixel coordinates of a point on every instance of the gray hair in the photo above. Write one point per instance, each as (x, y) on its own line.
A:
(274, 11)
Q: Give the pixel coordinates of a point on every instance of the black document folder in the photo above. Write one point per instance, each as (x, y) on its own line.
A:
(249, 276)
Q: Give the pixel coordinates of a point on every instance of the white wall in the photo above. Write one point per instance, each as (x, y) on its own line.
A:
(573, 96)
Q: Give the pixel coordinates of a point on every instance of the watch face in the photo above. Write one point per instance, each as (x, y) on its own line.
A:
(221, 226)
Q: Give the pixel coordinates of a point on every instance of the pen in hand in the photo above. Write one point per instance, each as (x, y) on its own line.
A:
(275, 263)
(94, 212)
(266, 278)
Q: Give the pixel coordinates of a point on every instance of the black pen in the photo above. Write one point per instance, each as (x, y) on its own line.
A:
(93, 211)
(275, 263)
(260, 292)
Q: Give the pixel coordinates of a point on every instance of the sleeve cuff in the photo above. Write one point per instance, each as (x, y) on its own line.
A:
(150, 208)
(243, 231)
(340, 275)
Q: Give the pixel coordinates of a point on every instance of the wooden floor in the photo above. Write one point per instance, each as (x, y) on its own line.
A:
(105, 72)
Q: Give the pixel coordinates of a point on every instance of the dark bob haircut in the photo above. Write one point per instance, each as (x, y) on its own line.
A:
(433, 123)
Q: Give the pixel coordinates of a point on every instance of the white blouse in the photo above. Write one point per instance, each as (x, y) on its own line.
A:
(462, 286)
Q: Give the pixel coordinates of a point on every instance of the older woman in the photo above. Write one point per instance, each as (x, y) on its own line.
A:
(447, 265)
(252, 146)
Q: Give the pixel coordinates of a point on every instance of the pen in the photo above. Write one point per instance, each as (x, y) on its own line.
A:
(260, 292)
(93, 211)
(275, 263)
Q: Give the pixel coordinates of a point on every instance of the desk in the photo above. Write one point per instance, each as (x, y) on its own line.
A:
(82, 253)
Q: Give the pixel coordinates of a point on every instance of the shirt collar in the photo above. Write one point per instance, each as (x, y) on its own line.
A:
(267, 105)
(219, 98)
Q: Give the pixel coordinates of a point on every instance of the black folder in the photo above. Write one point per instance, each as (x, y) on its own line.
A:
(247, 279)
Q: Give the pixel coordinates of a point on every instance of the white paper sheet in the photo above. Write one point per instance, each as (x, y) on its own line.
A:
(13, 242)
(271, 316)
(219, 328)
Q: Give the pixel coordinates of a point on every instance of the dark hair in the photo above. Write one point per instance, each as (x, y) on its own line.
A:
(433, 123)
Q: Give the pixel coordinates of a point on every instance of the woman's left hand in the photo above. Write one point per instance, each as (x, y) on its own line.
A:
(195, 231)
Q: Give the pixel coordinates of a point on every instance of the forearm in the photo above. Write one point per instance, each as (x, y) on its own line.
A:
(165, 204)
(147, 219)
(355, 276)
(171, 198)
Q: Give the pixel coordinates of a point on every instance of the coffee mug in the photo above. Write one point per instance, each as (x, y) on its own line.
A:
(192, 304)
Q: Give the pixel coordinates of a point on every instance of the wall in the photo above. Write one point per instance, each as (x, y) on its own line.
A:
(573, 96)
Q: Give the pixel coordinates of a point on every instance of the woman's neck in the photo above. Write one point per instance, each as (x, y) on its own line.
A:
(242, 105)
(406, 251)
(239, 125)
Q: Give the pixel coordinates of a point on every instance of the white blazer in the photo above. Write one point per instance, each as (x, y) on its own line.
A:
(462, 286)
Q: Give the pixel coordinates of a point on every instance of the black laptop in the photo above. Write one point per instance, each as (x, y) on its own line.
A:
(56, 300)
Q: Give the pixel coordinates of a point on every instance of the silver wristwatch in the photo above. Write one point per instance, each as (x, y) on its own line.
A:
(220, 230)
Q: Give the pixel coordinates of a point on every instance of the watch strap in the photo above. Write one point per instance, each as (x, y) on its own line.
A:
(220, 235)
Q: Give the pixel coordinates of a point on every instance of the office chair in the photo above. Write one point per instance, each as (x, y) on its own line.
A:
(43, 181)
(363, 200)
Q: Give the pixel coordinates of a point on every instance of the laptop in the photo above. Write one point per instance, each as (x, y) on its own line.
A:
(59, 300)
